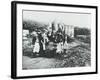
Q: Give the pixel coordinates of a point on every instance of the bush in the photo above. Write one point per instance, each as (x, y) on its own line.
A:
(84, 38)
(81, 31)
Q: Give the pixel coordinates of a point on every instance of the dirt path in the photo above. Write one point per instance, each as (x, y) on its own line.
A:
(40, 63)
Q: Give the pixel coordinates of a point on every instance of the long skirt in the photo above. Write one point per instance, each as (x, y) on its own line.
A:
(59, 48)
(36, 47)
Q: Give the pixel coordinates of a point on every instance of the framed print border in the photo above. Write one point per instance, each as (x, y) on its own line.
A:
(14, 38)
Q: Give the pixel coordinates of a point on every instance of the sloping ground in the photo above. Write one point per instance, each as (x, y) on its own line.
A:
(79, 55)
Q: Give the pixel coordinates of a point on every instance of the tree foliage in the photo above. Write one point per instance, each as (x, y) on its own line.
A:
(81, 31)
(33, 25)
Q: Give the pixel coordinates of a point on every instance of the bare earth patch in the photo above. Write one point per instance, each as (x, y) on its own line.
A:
(40, 62)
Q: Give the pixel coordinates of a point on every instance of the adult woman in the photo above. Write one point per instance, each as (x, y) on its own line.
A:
(41, 51)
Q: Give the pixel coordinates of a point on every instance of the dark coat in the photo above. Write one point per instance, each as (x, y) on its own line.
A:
(33, 40)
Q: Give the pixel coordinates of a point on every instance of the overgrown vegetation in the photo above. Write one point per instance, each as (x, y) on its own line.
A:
(81, 31)
(77, 56)
(33, 25)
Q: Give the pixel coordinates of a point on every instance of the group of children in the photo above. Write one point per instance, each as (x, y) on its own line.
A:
(42, 40)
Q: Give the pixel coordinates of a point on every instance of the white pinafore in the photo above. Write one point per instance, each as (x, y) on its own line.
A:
(36, 46)
(59, 48)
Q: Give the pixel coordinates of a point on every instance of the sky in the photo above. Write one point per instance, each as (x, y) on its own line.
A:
(68, 18)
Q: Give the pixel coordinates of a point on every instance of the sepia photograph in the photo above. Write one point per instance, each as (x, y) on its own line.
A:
(53, 40)
(56, 39)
